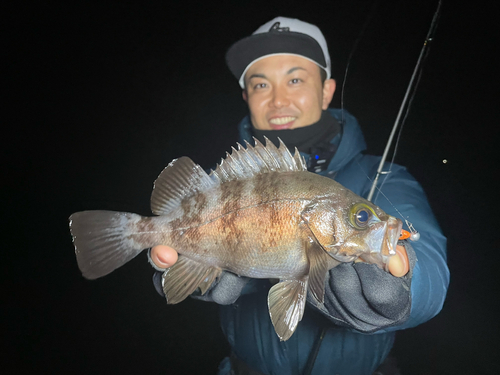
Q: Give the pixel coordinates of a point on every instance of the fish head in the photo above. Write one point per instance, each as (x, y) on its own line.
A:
(350, 228)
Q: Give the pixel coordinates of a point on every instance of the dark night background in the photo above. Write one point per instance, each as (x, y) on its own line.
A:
(99, 96)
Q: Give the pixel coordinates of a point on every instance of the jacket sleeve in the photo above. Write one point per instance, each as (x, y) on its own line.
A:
(364, 297)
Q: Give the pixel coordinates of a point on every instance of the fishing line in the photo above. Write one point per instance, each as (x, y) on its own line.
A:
(353, 49)
(415, 235)
(410, 94)
(379, 190)
(403, 110)
(369, 17)
(416, 72)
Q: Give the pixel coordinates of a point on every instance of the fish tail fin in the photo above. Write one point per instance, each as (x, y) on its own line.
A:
(105, 240)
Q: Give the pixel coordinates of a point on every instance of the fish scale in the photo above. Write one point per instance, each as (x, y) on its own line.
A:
(263, 226)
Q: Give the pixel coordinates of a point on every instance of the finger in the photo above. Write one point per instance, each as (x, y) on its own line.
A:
(399, 264)
(163, 256)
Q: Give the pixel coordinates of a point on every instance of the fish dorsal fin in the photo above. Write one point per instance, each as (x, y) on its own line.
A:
(253, 160)
(183, 178)
(180, 179)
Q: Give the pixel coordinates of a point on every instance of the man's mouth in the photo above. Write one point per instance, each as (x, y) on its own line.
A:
(278, 123)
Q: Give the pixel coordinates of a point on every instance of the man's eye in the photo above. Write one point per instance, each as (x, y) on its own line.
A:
(295, 80)
(260, 86)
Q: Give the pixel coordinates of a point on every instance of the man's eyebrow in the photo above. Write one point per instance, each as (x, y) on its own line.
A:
(257, 76)
(294, 69)
(260, 75)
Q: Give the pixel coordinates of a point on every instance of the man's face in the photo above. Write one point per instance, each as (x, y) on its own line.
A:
(286, 92)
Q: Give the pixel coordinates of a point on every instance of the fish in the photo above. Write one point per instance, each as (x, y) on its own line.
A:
(258, 214)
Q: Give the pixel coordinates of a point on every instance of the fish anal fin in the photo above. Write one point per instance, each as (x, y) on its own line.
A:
(182, 279)
(319, 262)
(286, 301)
(210, 276)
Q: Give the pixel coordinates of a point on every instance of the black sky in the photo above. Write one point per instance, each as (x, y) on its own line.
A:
(98, 98)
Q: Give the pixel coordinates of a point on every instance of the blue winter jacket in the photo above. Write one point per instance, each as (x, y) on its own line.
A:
(343, 350)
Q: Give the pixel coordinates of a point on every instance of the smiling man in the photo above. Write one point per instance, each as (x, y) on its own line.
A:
(285, 74)
(286, 92)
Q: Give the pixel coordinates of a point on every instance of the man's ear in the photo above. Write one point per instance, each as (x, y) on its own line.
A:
(328, 91)
(244, 95)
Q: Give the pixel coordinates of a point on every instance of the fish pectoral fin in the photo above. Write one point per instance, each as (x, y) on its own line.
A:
(344, 258)
(182, 279)
(319, 262)
(286, 301)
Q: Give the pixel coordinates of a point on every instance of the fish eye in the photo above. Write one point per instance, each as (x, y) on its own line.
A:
(361, 216)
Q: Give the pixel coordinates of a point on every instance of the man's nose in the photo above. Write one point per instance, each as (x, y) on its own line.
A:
(280, 98)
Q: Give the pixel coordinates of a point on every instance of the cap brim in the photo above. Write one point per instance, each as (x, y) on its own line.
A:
(241, 54)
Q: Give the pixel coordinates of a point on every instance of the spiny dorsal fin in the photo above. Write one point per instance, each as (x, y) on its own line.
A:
(248, 162)
(180, 179)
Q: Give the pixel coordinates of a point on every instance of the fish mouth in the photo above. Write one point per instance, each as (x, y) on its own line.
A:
(376, 245)
(390, 241)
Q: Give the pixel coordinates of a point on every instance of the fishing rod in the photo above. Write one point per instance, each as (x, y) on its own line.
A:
(425, 47)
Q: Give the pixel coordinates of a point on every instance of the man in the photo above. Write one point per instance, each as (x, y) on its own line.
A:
(284, 71)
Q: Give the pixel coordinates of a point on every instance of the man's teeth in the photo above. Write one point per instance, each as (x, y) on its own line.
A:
(281, 120)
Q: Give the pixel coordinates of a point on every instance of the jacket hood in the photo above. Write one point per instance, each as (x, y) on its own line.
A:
(351, 144)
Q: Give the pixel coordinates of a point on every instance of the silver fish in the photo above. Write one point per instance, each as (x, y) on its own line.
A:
(259, 214)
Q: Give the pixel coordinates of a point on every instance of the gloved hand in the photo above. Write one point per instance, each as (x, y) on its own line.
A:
(224, 291)
(364, 297)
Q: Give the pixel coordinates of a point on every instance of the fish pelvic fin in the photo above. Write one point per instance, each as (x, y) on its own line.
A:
(105, 240)
(286, 301)
(185, 276)
(181, 178)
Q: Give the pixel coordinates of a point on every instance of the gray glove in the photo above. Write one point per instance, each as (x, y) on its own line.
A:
(224, 291)
(364, 297)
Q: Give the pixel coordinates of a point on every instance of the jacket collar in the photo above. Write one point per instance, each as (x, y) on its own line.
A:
(350, 142)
